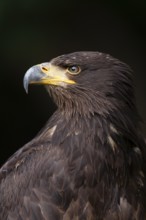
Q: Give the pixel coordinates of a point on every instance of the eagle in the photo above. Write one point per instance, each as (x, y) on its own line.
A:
(89, 160)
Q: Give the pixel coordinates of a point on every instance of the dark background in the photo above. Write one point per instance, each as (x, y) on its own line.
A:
(34, 31)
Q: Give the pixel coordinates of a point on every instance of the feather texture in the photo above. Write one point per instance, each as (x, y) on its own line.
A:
(88, 162)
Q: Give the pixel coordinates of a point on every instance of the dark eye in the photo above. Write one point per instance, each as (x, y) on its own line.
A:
(74, 70)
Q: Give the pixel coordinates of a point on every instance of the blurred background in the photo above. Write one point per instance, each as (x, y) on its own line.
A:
(35, 31)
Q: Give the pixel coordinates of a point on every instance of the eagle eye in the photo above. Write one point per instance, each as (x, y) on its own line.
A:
(73, 70)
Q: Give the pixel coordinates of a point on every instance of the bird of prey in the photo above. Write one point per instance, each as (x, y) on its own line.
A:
(89, 161)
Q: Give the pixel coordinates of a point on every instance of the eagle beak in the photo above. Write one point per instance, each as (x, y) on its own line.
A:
(46, 74)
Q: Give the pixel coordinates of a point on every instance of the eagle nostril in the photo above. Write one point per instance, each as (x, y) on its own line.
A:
(44, 68)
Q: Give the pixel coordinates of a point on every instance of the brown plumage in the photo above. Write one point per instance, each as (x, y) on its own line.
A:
(88, 162)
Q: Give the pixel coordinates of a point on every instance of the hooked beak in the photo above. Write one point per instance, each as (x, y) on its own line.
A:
(46, 74)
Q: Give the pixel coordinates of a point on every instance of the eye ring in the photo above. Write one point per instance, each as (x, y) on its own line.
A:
(74, 70)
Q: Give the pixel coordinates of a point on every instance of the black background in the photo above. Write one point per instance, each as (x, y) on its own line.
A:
(34, 31)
